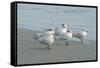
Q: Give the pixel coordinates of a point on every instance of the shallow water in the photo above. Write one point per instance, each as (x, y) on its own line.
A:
(40, 17)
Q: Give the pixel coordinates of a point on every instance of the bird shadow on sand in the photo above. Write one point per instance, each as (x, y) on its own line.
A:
(39, 48)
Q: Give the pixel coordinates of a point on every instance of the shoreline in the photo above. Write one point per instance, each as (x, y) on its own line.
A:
(40, 31)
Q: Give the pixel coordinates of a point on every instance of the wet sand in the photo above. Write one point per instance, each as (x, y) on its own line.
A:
(30, 52)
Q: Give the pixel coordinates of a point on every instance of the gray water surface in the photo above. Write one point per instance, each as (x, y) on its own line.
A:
(40, 17)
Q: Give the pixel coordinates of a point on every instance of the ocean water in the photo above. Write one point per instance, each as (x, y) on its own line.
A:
(41, 17)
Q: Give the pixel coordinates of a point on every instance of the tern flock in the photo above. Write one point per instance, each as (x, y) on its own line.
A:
(49, 36)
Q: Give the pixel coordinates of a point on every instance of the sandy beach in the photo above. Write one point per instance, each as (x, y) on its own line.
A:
(30, 52)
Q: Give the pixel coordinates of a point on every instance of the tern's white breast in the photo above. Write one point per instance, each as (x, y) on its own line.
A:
(60, 30)
(66, 36)
(47, 38)
(83, 33)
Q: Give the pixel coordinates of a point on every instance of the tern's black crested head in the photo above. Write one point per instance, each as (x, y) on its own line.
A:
(87, 31)
(50, 29)
(63, 26)
(69, 31)
(83, 30)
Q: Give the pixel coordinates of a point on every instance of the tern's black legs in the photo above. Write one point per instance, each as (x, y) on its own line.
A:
(48, 47)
